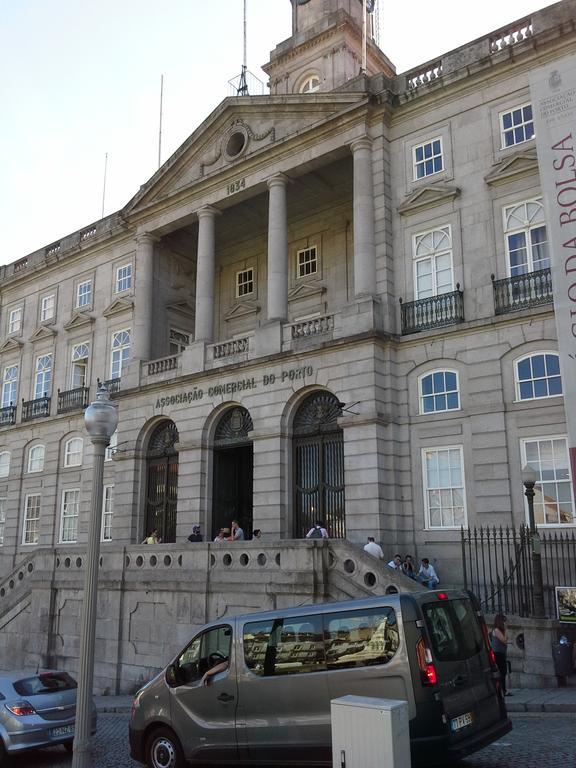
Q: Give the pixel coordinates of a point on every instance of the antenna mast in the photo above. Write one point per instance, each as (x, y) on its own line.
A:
(160, 122)
(242, 89)
(364, 36)
(104, 184)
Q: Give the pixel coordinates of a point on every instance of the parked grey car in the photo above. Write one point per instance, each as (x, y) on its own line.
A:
(37, 709)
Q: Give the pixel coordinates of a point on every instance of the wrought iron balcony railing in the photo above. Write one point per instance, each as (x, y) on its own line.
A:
(7, 415)
(73, 399)
(434, 312)
(522, 291)
(35, 409)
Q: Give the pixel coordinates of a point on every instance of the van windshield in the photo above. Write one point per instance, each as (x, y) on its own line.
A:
(454, 630)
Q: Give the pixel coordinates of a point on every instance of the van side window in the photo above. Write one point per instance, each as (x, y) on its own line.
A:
(360, 638)
(204, 652)
(454, 630)
(284, 646)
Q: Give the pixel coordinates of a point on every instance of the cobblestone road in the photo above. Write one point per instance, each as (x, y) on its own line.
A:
(537, 741)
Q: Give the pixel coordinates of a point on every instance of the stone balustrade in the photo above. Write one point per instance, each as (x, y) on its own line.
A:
(509, 36)
(423, 76)
(314, 327)
(163, 364)
(227, 349)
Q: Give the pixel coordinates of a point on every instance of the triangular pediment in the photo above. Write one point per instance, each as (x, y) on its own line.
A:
(427, 197)
(516, 166)
(306, 290)
(117, 306)
(237, 130)
(78, 320)
(242, 309)
(11, 344)
(43, 332)
(181, 308)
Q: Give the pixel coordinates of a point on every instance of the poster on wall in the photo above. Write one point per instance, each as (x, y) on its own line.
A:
(566, 604)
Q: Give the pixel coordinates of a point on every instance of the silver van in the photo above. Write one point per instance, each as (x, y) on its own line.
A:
(256, 689)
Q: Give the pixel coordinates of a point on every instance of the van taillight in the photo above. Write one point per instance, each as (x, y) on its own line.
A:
(487, 643)
(428, 674)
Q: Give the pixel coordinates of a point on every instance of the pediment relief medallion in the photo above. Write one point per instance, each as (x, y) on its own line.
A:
(523, 163)
(306, 291)
(117, 306)
(43, 332)
(235, 142)
(10, 345)
(242, 309)
(428, 197)
(78, 320)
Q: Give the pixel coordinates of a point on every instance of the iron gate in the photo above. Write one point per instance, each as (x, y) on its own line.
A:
(162, 481)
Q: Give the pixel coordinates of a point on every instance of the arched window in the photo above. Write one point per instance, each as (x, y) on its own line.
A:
(4, 463)
(310, 84)
(36, 458)
(538, 376)
(318, 450)
(439, 392)
(433, 263)
(73, 452)
(526, 238)
(162, 481)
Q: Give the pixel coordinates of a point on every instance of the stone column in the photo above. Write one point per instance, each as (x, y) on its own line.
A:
(277, 249)
(364, 248)
(205, 270)
(143, 298)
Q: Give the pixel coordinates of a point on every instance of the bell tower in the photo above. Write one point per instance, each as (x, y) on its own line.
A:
(325, 50)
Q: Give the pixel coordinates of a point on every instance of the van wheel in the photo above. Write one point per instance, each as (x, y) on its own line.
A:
(163, 750)
(69, 747)
(3, 755)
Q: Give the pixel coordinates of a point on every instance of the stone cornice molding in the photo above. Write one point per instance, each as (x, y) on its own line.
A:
(182, 307)
(78, 320)
(117, 306)
(11, 344)
(306, 290)
(208, 211)
(43, 332)
(364, 419)
(427, 197)
(242, 309)
(524, 163)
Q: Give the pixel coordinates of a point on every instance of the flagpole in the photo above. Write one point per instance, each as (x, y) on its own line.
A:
(364, 37)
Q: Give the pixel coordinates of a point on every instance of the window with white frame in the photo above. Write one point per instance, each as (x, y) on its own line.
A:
(444, 493)
(516, 126)
(307, 261)
(124, 278)
(554, 501)
(107, 511)
(79, 371)
(433, 263)
(111, 448)
(36, 458)
(439, 392)
(526, 237)
(120, 353)
(43, 380)
(2, 518)
(15, 320)
(179, 340)
(538, 376)
(31, 530)
(84, 294)
(69, 515)
(427, 158)
(4, 463)
(73, 450)
(47, 307)
(244, 282)
(10, 386)
(310, 84)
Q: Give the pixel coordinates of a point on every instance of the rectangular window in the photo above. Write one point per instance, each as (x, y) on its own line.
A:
(47, 306)
(84, 294)
(120, 354)
(80, 354)
(43, 381)
(15, 320)
(307, 261)
(124, 278)
(553, 502)
(111, 448)
(107, 510)
(360, 638)
(31, 519)
(516, 126)
(179, 340)
(2, 518)
(427, 159)
(444, 493)
(69, 517)
(285, 646)
(454, 629)
(9, 386)
(244, 283)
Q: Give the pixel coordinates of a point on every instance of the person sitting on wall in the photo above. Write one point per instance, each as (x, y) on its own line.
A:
(396, 562)
(317, 531)
(374, 549)
(256, 533)
(237, 532)
(153, 537)
(195, 535)
(427, 574)
(222, 534)
(408, 567)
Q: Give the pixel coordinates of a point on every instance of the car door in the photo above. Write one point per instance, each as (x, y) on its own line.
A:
(204, 713)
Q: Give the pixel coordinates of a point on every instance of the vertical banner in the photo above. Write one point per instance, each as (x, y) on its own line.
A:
(553, 91)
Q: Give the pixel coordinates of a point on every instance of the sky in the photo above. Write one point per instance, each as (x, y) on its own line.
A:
(80, 80)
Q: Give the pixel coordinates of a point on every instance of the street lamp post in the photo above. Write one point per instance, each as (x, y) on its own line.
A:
(529, 478)
(100, 420)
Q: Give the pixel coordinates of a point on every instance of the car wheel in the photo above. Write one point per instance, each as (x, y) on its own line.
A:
(3, 754)
(163, 750)
(69, 746)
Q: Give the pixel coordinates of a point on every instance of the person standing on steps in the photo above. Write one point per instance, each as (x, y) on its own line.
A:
(374, 549)
(317, 531)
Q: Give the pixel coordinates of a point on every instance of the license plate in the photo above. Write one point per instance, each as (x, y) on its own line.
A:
(457, 723)
(63, 730)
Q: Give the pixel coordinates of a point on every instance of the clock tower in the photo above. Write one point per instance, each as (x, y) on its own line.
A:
(325, 50)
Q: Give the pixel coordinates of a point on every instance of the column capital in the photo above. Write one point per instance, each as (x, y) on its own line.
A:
(146, 238)
(364, 142)
(208, 211)
(278, 180)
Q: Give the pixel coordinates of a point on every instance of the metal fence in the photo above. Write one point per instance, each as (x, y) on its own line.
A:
(497, 567)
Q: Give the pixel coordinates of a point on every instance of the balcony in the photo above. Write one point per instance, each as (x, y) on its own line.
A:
(73, 399)
(522, 291)
(35, 409)
(434, 312)
(112, 385)
(7, 415)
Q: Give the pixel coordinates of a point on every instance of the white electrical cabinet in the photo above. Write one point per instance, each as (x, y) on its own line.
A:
(370, 733)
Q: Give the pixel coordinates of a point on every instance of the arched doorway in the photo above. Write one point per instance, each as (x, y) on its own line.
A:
(233, 469)
(162, 481)
(318, 460)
